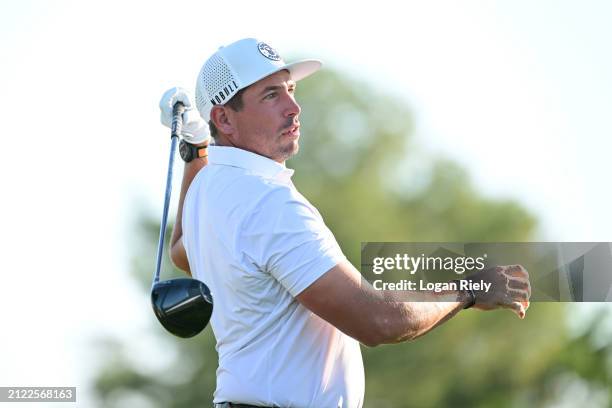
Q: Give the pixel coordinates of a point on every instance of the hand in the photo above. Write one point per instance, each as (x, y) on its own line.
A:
(510, 288)
(195, 129)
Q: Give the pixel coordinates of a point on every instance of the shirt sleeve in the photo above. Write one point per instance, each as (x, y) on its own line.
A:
(287, 238)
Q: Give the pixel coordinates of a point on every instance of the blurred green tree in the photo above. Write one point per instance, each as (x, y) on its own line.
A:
(359, 165)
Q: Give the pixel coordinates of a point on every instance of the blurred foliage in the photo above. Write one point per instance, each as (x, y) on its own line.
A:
(359, 165)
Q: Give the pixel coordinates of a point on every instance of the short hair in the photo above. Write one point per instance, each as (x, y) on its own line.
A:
(235, 103)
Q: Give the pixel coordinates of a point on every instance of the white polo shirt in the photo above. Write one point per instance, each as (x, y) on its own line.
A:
(257, 243)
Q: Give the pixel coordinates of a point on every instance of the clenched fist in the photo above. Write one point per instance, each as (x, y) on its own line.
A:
(510, 288)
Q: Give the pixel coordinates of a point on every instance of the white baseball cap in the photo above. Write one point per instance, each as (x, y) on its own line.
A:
(239, 65)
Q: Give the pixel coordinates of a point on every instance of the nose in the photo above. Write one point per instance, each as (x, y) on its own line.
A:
(293, 108)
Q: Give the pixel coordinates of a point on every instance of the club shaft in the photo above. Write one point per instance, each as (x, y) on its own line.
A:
(177, 112)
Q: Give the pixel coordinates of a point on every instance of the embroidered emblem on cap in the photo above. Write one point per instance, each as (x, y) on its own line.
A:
(268, 52)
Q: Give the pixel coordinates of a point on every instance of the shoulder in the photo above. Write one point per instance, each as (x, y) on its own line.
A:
(227, 184)
(281, 210)
(275, 196)
(226, 191)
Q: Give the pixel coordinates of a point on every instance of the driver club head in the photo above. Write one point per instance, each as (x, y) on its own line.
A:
(183, 306)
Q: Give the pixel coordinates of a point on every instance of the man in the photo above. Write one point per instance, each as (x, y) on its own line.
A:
(290, 310)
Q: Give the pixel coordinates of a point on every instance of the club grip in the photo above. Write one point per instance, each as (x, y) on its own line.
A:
(177, 119)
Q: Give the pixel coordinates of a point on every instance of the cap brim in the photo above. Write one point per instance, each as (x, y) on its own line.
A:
(302, 69)
(298, 70)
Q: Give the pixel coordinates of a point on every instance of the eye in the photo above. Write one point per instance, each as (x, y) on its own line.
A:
(271, 95)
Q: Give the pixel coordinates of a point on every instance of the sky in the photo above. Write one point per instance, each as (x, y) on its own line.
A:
(518, 92)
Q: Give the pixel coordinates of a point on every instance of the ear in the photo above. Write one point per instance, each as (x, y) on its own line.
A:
(222, 119)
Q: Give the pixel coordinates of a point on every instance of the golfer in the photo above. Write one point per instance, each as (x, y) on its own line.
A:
(290, 310)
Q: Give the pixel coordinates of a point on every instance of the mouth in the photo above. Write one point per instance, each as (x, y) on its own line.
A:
(294, 130)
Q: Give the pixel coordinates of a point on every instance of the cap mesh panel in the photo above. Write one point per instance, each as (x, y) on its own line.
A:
(213, 77)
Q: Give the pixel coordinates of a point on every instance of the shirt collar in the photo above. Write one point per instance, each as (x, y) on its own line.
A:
(257, 164)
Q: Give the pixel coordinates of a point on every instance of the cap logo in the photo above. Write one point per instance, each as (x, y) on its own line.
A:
(219, 97)
(268, 52)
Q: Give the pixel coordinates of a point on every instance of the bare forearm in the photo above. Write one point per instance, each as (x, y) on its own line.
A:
(177, 251)
(409, 320)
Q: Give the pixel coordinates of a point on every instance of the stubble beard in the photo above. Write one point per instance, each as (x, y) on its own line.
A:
(289, 150)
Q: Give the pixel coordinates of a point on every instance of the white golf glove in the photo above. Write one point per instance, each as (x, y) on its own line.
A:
(195, 129)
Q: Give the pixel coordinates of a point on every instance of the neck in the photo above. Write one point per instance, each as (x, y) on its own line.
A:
(221, 140)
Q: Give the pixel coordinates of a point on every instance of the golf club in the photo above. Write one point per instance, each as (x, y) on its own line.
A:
(183, 306)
